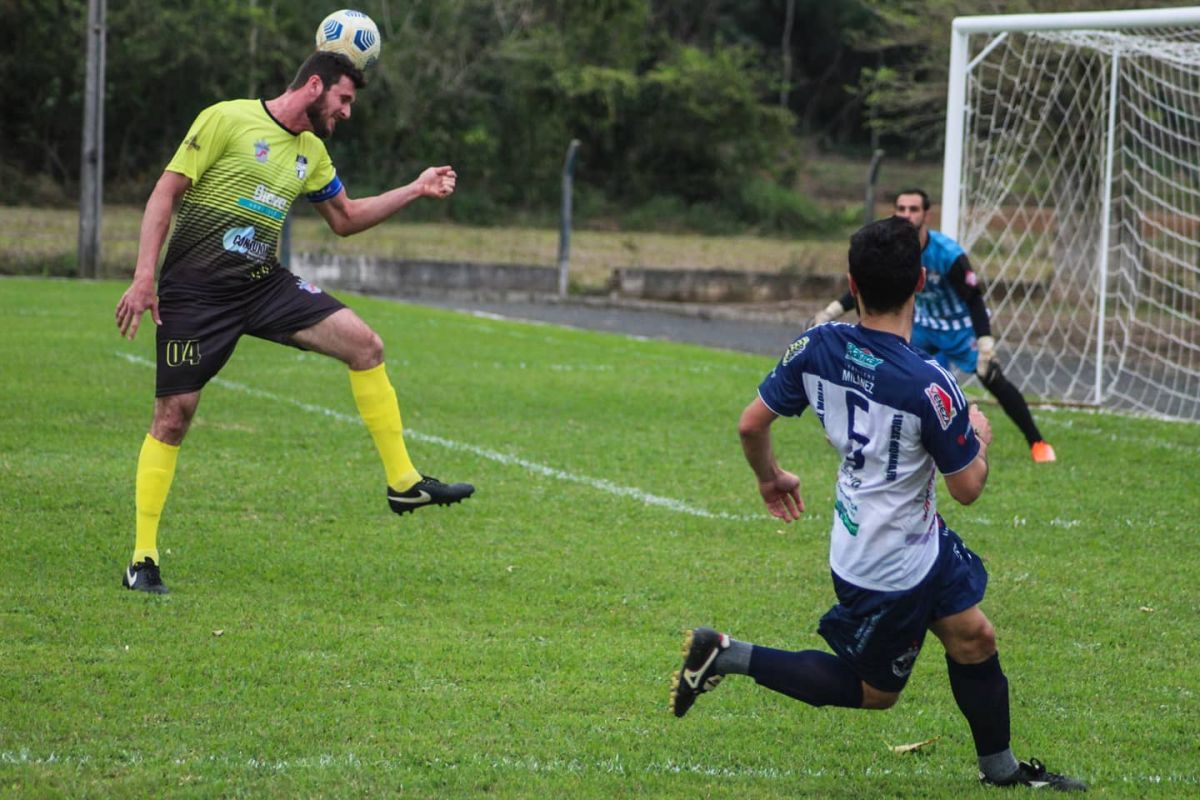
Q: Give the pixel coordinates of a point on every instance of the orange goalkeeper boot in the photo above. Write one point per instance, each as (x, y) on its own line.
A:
(1042, 452)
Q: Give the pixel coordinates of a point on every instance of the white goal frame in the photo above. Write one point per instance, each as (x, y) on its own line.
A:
(958, 119)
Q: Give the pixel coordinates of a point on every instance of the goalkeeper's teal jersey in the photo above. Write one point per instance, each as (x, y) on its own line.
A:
(246, 169)
(938, 305)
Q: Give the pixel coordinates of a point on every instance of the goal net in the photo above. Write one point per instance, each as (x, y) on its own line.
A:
(1072, 178)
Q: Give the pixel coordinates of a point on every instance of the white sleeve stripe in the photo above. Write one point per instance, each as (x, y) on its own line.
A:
(954, 387)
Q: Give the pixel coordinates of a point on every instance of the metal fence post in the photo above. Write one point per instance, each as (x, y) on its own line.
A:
(285, 243)
(564, 231)
(91, 161)
(872, 178)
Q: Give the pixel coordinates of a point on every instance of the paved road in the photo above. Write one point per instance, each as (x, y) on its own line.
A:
(762, 331)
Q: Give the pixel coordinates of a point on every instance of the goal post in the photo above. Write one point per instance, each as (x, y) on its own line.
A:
(1071, 176)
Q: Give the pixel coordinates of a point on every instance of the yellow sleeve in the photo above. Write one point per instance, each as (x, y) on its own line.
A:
(322, 181)
(203, 145)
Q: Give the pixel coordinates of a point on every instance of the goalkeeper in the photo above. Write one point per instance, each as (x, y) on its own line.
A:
(951, 321)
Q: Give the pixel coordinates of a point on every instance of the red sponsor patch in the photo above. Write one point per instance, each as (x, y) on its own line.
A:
(942, 404)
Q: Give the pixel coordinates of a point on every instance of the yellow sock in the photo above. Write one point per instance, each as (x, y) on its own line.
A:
(155, 470)
(376, 400)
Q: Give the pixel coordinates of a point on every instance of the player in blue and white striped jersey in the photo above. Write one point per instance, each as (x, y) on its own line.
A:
(897, 418)
(950, 319)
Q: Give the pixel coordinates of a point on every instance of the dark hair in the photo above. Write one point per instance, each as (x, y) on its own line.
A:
(924, 197)
(885, 262)
(329, 67)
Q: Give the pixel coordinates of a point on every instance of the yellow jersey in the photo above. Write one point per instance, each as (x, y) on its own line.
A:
(246, 169)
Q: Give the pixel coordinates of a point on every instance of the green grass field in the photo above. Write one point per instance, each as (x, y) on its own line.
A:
(520, 645)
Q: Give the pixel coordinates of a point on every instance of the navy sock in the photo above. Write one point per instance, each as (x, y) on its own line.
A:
(981, 691)
(811, 676)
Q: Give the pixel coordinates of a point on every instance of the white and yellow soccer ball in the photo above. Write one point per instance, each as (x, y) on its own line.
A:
(351, 33)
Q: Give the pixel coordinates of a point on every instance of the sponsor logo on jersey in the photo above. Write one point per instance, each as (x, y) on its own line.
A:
(241, 240)
(265, 202)
(301, 167)
(864, 358)
(795, 349)
(182, 351)
(262, 151)
(849, 477)
(307, 287)
(942, 404)
(191, 143)
(847, 511)
(264, 195)
(847, 520)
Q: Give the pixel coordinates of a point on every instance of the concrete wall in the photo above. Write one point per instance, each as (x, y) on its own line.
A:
(722, 286)
(385, 276)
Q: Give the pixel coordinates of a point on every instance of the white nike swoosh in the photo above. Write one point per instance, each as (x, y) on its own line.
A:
(422, 497)
(130, 577)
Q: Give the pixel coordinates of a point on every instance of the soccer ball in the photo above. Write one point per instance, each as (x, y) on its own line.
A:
(351, 33)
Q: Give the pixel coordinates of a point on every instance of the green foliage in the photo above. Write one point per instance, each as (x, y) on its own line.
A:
(695, 101)
(711, 133)
(781, 210)
(496, 88)
(905, 90)
(520, 645)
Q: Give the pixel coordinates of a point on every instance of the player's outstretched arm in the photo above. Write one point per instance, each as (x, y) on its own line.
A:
(346, 216)
(967, 484)
(779, 488)
(156, 221)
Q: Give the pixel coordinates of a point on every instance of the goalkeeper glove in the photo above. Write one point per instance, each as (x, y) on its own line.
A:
(986, 347)
(831, 311)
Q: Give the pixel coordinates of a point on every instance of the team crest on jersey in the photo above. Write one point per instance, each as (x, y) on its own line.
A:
(307, 287)
(864, 358)
(301, 167)
(795, 349)
(943, 404)
(262, 151)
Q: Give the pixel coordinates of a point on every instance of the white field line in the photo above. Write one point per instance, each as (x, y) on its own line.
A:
(601, 484)
(615, 765)
(494, 317)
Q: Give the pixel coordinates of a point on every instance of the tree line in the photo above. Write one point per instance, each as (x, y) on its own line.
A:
(705, 108)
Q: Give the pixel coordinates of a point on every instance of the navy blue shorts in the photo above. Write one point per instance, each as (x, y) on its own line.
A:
(201, 326)
(948, 347)
(880, 633)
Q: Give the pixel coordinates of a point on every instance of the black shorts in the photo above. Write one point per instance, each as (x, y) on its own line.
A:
(201, 327)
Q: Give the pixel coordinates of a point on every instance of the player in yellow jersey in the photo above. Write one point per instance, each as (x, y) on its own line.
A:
(232, 180)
